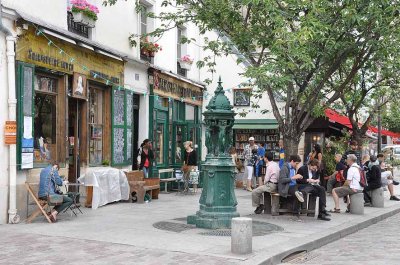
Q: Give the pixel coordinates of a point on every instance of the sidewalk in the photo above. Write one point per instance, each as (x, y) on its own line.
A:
(126, 233)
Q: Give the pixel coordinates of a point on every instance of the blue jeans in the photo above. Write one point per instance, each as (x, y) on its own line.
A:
(259, 166)
(146, 172)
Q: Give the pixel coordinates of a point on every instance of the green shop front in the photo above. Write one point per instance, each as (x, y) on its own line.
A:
(175, 118)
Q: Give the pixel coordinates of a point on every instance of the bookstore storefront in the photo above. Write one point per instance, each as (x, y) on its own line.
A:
(68, 110)
(176, 118)
(263, 130)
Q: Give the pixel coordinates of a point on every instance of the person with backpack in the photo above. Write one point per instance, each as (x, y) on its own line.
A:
(145, 157)
(337, 177)
(354, 183)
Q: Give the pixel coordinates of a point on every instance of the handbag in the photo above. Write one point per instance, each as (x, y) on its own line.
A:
(54, 199)
(186, 167)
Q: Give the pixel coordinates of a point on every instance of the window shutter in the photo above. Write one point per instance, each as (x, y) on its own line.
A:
(118, 127)
(25, 115)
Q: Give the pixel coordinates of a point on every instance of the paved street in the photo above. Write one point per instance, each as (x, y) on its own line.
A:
(377, 244)
(38, 249)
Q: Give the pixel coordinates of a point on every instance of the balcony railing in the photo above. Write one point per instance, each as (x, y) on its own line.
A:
(77, 28)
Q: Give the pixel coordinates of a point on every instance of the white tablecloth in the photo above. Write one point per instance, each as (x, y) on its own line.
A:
(109, 185)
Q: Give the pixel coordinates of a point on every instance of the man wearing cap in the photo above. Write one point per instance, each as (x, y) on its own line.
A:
(248, 161)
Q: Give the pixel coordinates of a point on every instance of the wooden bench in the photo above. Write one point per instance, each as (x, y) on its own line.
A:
(166, 180)
(275, 204)
(41, 204)
(141, 185)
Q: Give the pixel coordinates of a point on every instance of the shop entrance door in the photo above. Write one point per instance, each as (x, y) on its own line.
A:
(74, 137)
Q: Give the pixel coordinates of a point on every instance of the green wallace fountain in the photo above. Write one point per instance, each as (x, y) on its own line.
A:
(218, 201)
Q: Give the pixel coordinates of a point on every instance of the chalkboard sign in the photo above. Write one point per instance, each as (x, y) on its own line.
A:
(119, 107)
(118, 144)
(28, 76)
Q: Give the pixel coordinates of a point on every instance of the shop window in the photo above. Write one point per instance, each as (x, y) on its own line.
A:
(122, 127)
(159, 148)
(96, 126)
(190, 110)
(178, 144)
(44, 125)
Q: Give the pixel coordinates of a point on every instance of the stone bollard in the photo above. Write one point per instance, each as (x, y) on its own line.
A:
(377, 198)
(241, 235)
(357, 203)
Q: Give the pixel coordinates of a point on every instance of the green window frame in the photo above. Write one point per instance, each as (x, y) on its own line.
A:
(121, 127)
(25, 94)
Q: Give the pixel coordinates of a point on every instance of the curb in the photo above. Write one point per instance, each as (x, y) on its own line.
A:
(319, 240)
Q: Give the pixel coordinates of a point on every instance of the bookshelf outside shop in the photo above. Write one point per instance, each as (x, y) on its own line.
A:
(263, 130)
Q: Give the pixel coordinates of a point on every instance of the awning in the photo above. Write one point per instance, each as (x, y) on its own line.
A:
(333, 116)
(255, 124)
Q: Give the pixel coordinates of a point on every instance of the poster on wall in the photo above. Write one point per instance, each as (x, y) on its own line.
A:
(26, 160)
(79, 89)
(241, 97)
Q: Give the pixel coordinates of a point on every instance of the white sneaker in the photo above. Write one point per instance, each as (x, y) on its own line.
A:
(299, 196)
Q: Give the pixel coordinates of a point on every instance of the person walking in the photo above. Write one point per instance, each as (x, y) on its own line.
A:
(260, 163)
(189, 164)
(249, 162)
(145, 157)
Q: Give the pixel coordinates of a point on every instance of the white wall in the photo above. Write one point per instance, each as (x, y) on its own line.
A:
(50, 11)
(3, 117)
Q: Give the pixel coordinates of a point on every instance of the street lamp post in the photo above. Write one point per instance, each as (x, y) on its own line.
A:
(379, 130)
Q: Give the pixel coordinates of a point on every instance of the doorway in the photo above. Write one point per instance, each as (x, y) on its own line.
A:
(74, 138)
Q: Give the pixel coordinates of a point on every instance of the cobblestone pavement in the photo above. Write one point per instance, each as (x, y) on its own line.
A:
(16, 248)
(377, 244)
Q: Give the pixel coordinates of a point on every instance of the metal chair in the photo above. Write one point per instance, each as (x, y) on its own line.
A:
(75, 196)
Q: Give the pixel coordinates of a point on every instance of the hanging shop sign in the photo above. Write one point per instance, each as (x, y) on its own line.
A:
(79, 86)
(35, 49)
(10, 132)
(170, 87)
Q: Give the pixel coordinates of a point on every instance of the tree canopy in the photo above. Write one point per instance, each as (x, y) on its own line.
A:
(312, 52)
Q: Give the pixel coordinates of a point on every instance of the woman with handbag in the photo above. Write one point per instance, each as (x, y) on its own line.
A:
(189, 163)
(48, 190)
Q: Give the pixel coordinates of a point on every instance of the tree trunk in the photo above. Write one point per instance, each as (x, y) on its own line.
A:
(291, 144)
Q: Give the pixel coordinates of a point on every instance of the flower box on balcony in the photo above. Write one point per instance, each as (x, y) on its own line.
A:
(186, 62)
(185, 65)
(84, 20)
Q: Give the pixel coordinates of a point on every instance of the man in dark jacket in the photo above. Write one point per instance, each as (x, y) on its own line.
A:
(310, 184)
(373, 178)
(353, 150)
(287, 184)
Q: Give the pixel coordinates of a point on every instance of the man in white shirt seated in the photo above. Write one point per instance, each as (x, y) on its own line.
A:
(352, 184)
(387, 178)
(270, 182)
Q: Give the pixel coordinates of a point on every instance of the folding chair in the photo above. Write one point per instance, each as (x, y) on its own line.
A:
(41, 205)
(75, 196)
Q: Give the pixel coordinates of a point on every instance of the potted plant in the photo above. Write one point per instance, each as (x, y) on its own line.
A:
(186, 62)
(149, 48)
(84, 12)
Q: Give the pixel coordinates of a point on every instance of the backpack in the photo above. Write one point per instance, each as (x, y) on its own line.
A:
(363, 180)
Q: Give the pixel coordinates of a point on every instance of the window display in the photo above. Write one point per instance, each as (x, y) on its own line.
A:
(96, 126)
(44, 121)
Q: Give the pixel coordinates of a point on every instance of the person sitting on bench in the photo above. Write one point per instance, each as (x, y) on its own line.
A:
(49, 178)
(310, 184)
(287, 184)
(352, 184)
(270, 182)
(387, 178)
(373, 177)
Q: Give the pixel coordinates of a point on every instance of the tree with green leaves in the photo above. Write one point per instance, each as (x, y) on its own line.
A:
(391, 116)
(308, 51)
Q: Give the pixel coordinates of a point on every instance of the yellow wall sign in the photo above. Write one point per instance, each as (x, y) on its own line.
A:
(10, 132)
(167, 86)
(35, 49)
